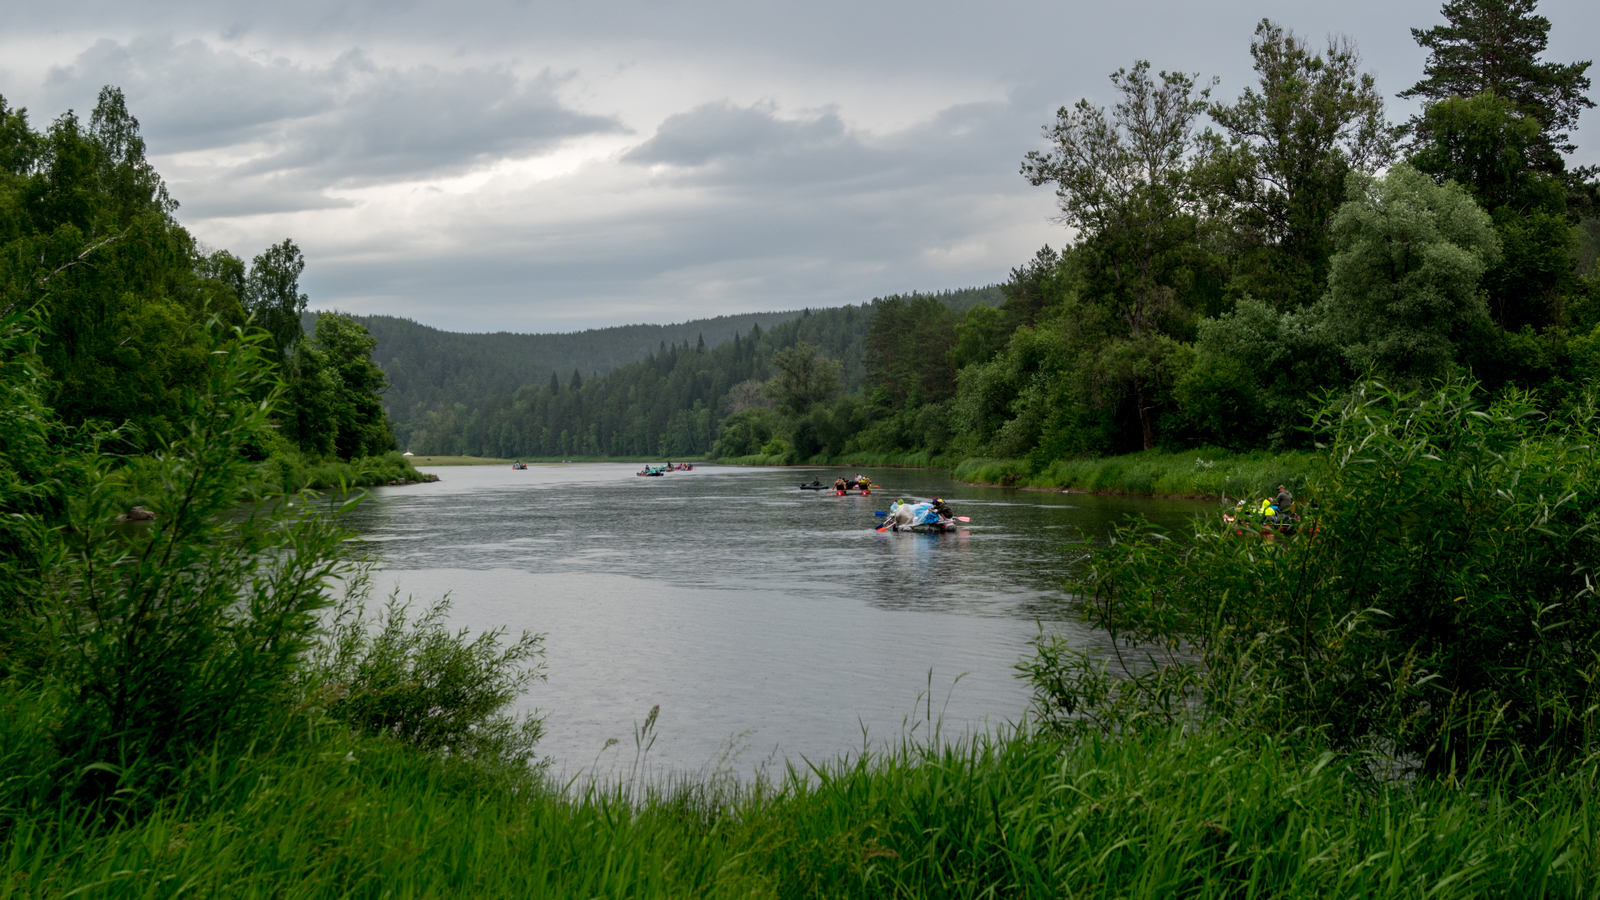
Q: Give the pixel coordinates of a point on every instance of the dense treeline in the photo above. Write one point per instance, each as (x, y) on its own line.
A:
(1225, 277)
(127, 304)
(1234, 260)
(675, 402)
(431, 369)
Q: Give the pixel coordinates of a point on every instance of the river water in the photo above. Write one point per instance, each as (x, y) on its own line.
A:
(765, 621)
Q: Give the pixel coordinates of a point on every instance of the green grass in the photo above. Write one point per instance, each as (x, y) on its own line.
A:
(1164, 815)
(1193, 473)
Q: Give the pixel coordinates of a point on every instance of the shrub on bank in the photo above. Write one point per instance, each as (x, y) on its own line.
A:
(1434, 608)
(143, 646)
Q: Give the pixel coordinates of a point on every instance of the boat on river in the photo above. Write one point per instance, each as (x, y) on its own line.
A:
(919, 517)
(864, 485)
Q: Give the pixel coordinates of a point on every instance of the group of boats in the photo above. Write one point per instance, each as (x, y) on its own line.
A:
(658, 471)
(921, 516)
(842, 486)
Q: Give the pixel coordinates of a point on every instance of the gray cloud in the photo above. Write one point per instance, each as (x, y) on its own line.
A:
(718, 131)
(393, 123)
(780, 154)
(348, 123)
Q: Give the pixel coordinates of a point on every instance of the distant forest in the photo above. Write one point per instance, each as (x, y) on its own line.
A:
(433, 370)
(671, 398)
(1235, 260)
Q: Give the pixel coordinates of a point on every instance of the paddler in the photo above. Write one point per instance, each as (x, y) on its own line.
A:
(838, 485)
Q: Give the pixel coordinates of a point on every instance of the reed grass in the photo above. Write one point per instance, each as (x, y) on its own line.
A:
(1157, 815)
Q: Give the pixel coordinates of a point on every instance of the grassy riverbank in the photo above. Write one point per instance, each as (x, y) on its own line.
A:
(531, 460)
(1157, 816)
(1194, 473)
(140, 478)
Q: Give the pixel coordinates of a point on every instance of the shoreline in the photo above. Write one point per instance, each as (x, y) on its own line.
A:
(1203, 474)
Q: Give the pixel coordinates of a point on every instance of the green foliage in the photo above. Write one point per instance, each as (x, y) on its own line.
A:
(271, 293)
(1276, 173)
(32, 472)
(418, 682)
(670, 404)
(1159, 815)
(1434, 607)
(137, 651)
(1404, 282)
(157, 641)
(802, 378)
(907, 350)
(1484, 144)
(334, 399)
(745, 432)
(1206, 472)
(1123, 180)
(88, 240)
(1493, 47)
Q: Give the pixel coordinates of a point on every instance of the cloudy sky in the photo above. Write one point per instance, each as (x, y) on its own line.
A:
(548, 166)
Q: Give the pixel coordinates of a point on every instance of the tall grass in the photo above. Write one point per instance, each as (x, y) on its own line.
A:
(1158, 815)
(1195, 473)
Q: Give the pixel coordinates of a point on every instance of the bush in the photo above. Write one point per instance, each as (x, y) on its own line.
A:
(1436, 606)
(158, 640)
(416, 681)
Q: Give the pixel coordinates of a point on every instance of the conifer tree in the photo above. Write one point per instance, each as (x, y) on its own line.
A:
(1493, 46)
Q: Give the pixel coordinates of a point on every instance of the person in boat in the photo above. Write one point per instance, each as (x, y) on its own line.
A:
(839, 485)
(943, 509)
(1284, 500)
(816, 482)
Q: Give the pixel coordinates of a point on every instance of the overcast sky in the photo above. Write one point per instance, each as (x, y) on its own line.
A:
(550, 166)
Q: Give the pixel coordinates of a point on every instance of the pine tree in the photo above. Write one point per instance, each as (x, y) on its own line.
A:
(1493, 46)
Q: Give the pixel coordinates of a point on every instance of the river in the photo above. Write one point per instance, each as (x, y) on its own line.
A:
(765, 621)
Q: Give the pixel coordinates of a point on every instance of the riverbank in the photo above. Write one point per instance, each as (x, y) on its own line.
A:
(1193, 474)
(534, 460)
(286, 471)
(1150, 815)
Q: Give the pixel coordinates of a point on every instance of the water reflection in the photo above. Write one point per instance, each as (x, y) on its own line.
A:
(737, 601)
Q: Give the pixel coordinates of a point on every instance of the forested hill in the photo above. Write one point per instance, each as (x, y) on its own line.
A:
(675, 399)
(431, 369)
